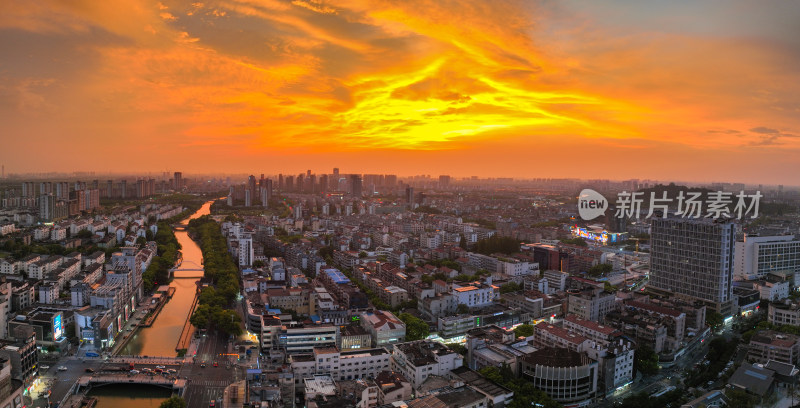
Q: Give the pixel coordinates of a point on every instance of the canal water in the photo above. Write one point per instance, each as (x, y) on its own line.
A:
(161, 338)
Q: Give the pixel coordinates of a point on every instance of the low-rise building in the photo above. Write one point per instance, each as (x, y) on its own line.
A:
(303, 338)
(354, 337)
(384, 328)
(772, 345)
(781, 314)
(567, 376)
(417, 360)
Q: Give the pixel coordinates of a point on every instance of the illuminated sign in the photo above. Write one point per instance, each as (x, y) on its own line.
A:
(58, 330)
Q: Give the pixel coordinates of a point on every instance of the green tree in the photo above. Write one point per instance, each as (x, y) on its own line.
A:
(492, 374)
(645, 360)
(228, 321)
(495, 244)
(462, 242)
(600, 270)
(510, 287)
(325, 252)
(416, 328)
(174, 402)
(362, 254)
(258, 264)
(524, 330)
(740, 399)
(713, 319)
(458, 348)
(462, 309)
(84, 234)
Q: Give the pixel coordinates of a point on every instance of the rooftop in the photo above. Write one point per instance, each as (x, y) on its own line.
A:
(775, 338)
(423, 352)
(590, 325)
(561, 333)
(752, 378)
(557, 357)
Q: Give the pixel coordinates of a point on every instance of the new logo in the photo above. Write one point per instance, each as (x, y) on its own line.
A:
(591, 204)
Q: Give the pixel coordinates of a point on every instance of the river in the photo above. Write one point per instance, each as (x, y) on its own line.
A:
(161, 338)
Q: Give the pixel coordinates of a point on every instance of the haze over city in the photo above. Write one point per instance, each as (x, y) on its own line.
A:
(608, 89)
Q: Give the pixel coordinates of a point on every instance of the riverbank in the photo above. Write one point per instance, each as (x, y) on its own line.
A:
(188, 328)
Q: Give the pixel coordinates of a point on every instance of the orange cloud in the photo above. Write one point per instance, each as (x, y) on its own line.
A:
(311, 77)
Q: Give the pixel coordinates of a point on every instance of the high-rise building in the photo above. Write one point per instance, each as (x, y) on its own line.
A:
(410, 196)
(266, 192)
(251, 184)
(390, 180)
(47, 204)
(248, 197)
(178, 178)
(757, 256)
(323, 183)
(444, 181)
(694, 259)
(355, 185)
(245, 251)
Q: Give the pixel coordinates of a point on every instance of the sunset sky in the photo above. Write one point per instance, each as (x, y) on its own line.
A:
(689, 90)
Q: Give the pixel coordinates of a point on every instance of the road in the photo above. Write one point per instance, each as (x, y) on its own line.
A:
(205, 383)
(209, 382)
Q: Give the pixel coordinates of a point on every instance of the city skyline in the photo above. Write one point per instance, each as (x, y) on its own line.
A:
(696, 92)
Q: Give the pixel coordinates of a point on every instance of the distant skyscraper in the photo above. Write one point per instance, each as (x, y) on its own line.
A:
(248, 196)
(444, 181)
(251, 184)
(410, 196)
(355, 185)
(280, 182)
(267, 192)
(323, 183)
(178, 177)
(694, 259)
(615, 223)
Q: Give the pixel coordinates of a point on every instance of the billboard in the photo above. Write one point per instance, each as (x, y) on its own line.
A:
(58, 329)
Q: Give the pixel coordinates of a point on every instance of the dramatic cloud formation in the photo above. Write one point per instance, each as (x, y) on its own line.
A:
(523, 88)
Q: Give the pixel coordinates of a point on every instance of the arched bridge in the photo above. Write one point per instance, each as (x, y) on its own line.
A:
(187, 266)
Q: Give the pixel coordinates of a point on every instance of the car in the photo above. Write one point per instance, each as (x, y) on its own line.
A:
(44, 367)
(172, 371)
(62, 368)
(161, 367)
(203, 365)
(89, 370)
(212, 403)
(216, 364)
(129, 329)
(134, 371)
